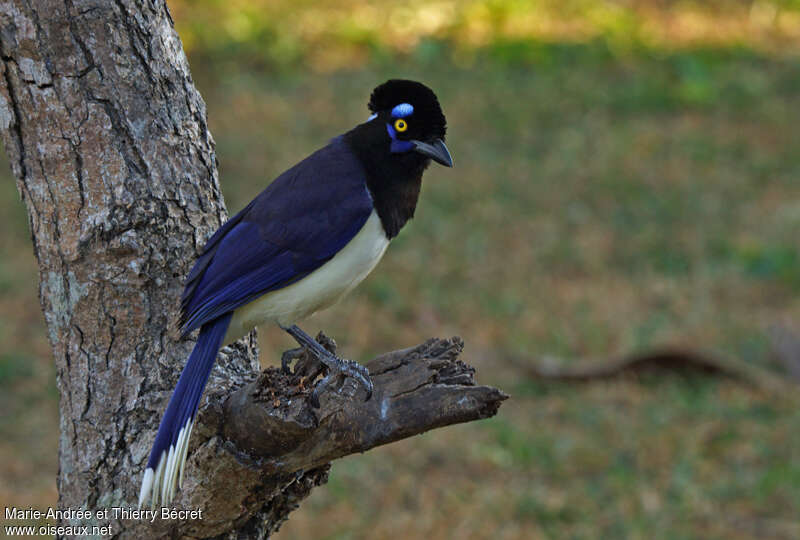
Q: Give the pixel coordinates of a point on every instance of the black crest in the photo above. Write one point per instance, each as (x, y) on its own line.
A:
(426, 105)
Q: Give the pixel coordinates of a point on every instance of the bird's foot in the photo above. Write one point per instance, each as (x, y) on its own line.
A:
(290, 356)
(338, 368)
(307, 366)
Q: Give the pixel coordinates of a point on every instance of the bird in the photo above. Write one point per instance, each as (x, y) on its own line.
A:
(311, 236)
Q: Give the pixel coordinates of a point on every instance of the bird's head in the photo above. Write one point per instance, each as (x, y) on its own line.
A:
(408, 121)
(396, 144)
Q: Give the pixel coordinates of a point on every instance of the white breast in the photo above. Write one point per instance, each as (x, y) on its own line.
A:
(320, 289)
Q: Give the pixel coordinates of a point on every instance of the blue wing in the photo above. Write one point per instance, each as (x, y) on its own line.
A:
(300, 221)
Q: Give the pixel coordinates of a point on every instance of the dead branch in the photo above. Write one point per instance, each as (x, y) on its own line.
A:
(663, 359)
(267, 438)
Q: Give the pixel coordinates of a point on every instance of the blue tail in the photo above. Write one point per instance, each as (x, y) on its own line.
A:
(168, 455)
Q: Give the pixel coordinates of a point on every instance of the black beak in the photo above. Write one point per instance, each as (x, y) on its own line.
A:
(437, 151)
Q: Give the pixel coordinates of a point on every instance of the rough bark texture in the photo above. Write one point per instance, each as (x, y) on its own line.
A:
(107, 137)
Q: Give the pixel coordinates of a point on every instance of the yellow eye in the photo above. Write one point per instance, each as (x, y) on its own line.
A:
(400, 125)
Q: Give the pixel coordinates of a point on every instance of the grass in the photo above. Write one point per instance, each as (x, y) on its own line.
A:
(600, 203)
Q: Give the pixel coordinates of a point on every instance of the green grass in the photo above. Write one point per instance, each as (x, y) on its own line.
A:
(600, 203)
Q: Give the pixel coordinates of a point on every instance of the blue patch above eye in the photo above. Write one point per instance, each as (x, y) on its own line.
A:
(403, 110)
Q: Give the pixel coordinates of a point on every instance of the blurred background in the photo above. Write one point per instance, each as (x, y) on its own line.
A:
(627, 177)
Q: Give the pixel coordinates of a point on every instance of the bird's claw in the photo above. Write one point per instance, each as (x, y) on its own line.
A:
(288, 357)
(338, 368)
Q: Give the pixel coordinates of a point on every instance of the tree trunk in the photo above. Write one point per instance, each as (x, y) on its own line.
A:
(107, 138)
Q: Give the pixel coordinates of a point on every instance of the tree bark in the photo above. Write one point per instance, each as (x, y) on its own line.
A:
(107, 137)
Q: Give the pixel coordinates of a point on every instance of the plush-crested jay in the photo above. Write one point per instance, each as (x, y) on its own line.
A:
(304, 242)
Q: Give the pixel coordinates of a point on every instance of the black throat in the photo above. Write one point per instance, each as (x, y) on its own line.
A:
(393, 180)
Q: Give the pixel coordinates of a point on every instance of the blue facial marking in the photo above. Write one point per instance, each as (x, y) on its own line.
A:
(372, 117)
(397, 145)
(403, 110)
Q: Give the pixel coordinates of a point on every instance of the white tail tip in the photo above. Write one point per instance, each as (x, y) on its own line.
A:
(147, 485)
(161, 482)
